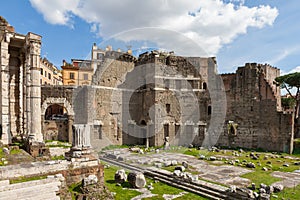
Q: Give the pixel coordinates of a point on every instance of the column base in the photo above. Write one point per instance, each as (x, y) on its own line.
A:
(37, 149)
(80, 154)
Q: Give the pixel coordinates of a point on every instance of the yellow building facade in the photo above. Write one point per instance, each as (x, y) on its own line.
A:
(79, 72)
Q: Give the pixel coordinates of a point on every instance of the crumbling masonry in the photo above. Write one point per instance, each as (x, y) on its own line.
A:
(156, 98)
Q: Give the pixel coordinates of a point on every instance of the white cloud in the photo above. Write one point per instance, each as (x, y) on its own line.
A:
(296, 69)
(56, 11)
(210, 23)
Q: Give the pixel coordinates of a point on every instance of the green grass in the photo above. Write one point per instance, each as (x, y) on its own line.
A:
(289, 193)
(109, 176)
(15, 151)
(2, 156)
(160, 189)
(191, 196)
(259, 177)
(276, 162)
(61, 157)
(126, 194)
(75, 189)
(25, 179)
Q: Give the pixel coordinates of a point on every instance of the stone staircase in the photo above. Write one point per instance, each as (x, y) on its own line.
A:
(37, 190)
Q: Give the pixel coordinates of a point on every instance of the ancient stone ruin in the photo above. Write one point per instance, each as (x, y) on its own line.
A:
(141, 100)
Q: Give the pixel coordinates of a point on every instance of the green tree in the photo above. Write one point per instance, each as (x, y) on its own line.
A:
(291, 83)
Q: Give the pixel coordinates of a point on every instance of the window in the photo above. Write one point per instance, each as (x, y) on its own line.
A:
(72, 75)
(85, 77)
(209, 110)
(204, 86)
(166, 130)
(168, 108)
(49, 76)
(41, 71)
(45, 74)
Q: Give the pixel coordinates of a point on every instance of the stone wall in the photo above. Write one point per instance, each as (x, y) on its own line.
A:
(56, 130)
(165, 100)
(252, 102)
(108, 98)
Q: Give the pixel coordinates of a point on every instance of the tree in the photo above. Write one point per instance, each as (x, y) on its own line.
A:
(291, 83)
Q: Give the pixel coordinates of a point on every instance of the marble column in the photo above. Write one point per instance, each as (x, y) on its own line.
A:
(34, 42)
(81, 136)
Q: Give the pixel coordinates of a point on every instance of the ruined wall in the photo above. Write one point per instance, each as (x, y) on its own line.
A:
(252, 102)
(171, 101)
(20, 70)
(64, 97)
(57, 92)
(108, 98)
(55, 130)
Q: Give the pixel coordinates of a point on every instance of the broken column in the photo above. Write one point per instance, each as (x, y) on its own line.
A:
(136, 179)
(81, 144)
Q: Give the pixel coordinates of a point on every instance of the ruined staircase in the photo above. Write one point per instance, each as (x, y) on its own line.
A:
(38, 189)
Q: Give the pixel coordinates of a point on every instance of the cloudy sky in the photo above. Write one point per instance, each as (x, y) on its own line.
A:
(235, 31)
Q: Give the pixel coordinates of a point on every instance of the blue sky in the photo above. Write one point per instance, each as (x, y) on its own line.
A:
(235, 31)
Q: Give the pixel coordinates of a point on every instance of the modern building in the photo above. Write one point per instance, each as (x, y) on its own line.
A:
(78, 72)
(50, 74)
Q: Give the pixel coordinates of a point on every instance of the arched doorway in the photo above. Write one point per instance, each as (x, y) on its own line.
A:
(57, 119)
(55, 125)
(56, 112)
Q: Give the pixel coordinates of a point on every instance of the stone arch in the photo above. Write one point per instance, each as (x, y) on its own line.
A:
(67, 134)
(60, 101)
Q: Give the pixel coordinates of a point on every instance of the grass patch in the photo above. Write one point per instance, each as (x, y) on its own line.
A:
(126, 194)
(61, 157)
(75, 189)
(121, 194)
(259, 177)
(15, 151)
(190, 196)
(2, 157)
(26, 179)
(161, 188)
(272, 161)
(289, 193)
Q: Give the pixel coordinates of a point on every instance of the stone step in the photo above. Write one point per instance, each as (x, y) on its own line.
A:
(27, 184)
(32, 192)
